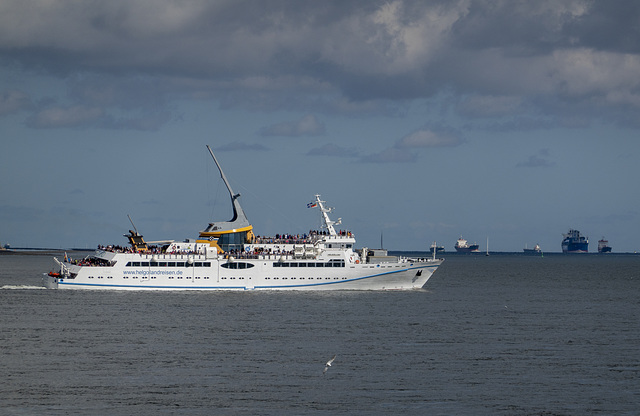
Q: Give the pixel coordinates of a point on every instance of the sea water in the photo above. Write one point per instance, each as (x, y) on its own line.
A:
(497, 335)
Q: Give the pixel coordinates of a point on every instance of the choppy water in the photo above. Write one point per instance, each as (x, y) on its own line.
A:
(499, 335)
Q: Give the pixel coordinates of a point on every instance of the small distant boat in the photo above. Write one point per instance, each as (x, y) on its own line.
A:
(439, 249)
(535, 250)
(574, 242)
(462, 246)
(603, 246)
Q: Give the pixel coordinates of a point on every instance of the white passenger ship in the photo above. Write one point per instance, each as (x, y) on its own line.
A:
(228, 256)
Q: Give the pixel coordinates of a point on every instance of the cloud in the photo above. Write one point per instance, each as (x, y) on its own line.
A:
(12, 101)
(489, 106)
(390, 155)
(429, 138)
(306, 126)
(497, 58)
(331, 149)
(241, 146)
(61, 117)
(80, 116)
(540, 160)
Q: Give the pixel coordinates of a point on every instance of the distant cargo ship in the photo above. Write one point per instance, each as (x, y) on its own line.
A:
(603, 246)
(463, 247)
(574, 242)
(535, 250)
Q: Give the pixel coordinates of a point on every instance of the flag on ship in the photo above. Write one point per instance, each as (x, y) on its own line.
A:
(312, 205)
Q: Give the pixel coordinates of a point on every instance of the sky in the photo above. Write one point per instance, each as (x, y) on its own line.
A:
(418, 121)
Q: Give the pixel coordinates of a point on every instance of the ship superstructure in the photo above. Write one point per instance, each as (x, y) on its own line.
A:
(574, 242)
(229, 256)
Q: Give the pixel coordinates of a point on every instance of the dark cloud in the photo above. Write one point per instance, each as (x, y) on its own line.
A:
(498, 57)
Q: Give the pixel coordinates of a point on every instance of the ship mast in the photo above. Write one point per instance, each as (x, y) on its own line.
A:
(239, 218)
(325, 216)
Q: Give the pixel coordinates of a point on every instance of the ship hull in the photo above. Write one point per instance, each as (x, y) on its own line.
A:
(471, 249)
(575, 248)
(257, 274)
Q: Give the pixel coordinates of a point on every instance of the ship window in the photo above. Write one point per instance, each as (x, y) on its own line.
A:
(319, 264)
(207, 264)
(237, 265)
(198, 264)
(180, 264)
(311, 265)
(293, 264)
(171, 264)
(162, 264)
(232, 241)
(302, 264)
(135, 264)
(153, 264)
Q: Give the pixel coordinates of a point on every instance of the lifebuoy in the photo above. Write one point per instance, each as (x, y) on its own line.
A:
(357, 261)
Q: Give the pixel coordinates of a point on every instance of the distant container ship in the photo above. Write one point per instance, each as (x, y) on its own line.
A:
(603, 246)
(574, 242)
(463, 247)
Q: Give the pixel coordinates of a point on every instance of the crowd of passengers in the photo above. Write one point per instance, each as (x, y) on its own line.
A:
(278, 239)
(149, 250)
(296, 238)
(89, 261)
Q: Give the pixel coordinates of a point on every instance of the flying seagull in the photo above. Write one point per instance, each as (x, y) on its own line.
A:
(328, 364)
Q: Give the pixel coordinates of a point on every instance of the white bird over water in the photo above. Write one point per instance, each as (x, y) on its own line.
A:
(328, 364)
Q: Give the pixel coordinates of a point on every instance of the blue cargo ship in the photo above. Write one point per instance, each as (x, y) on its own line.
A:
(574, 242)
